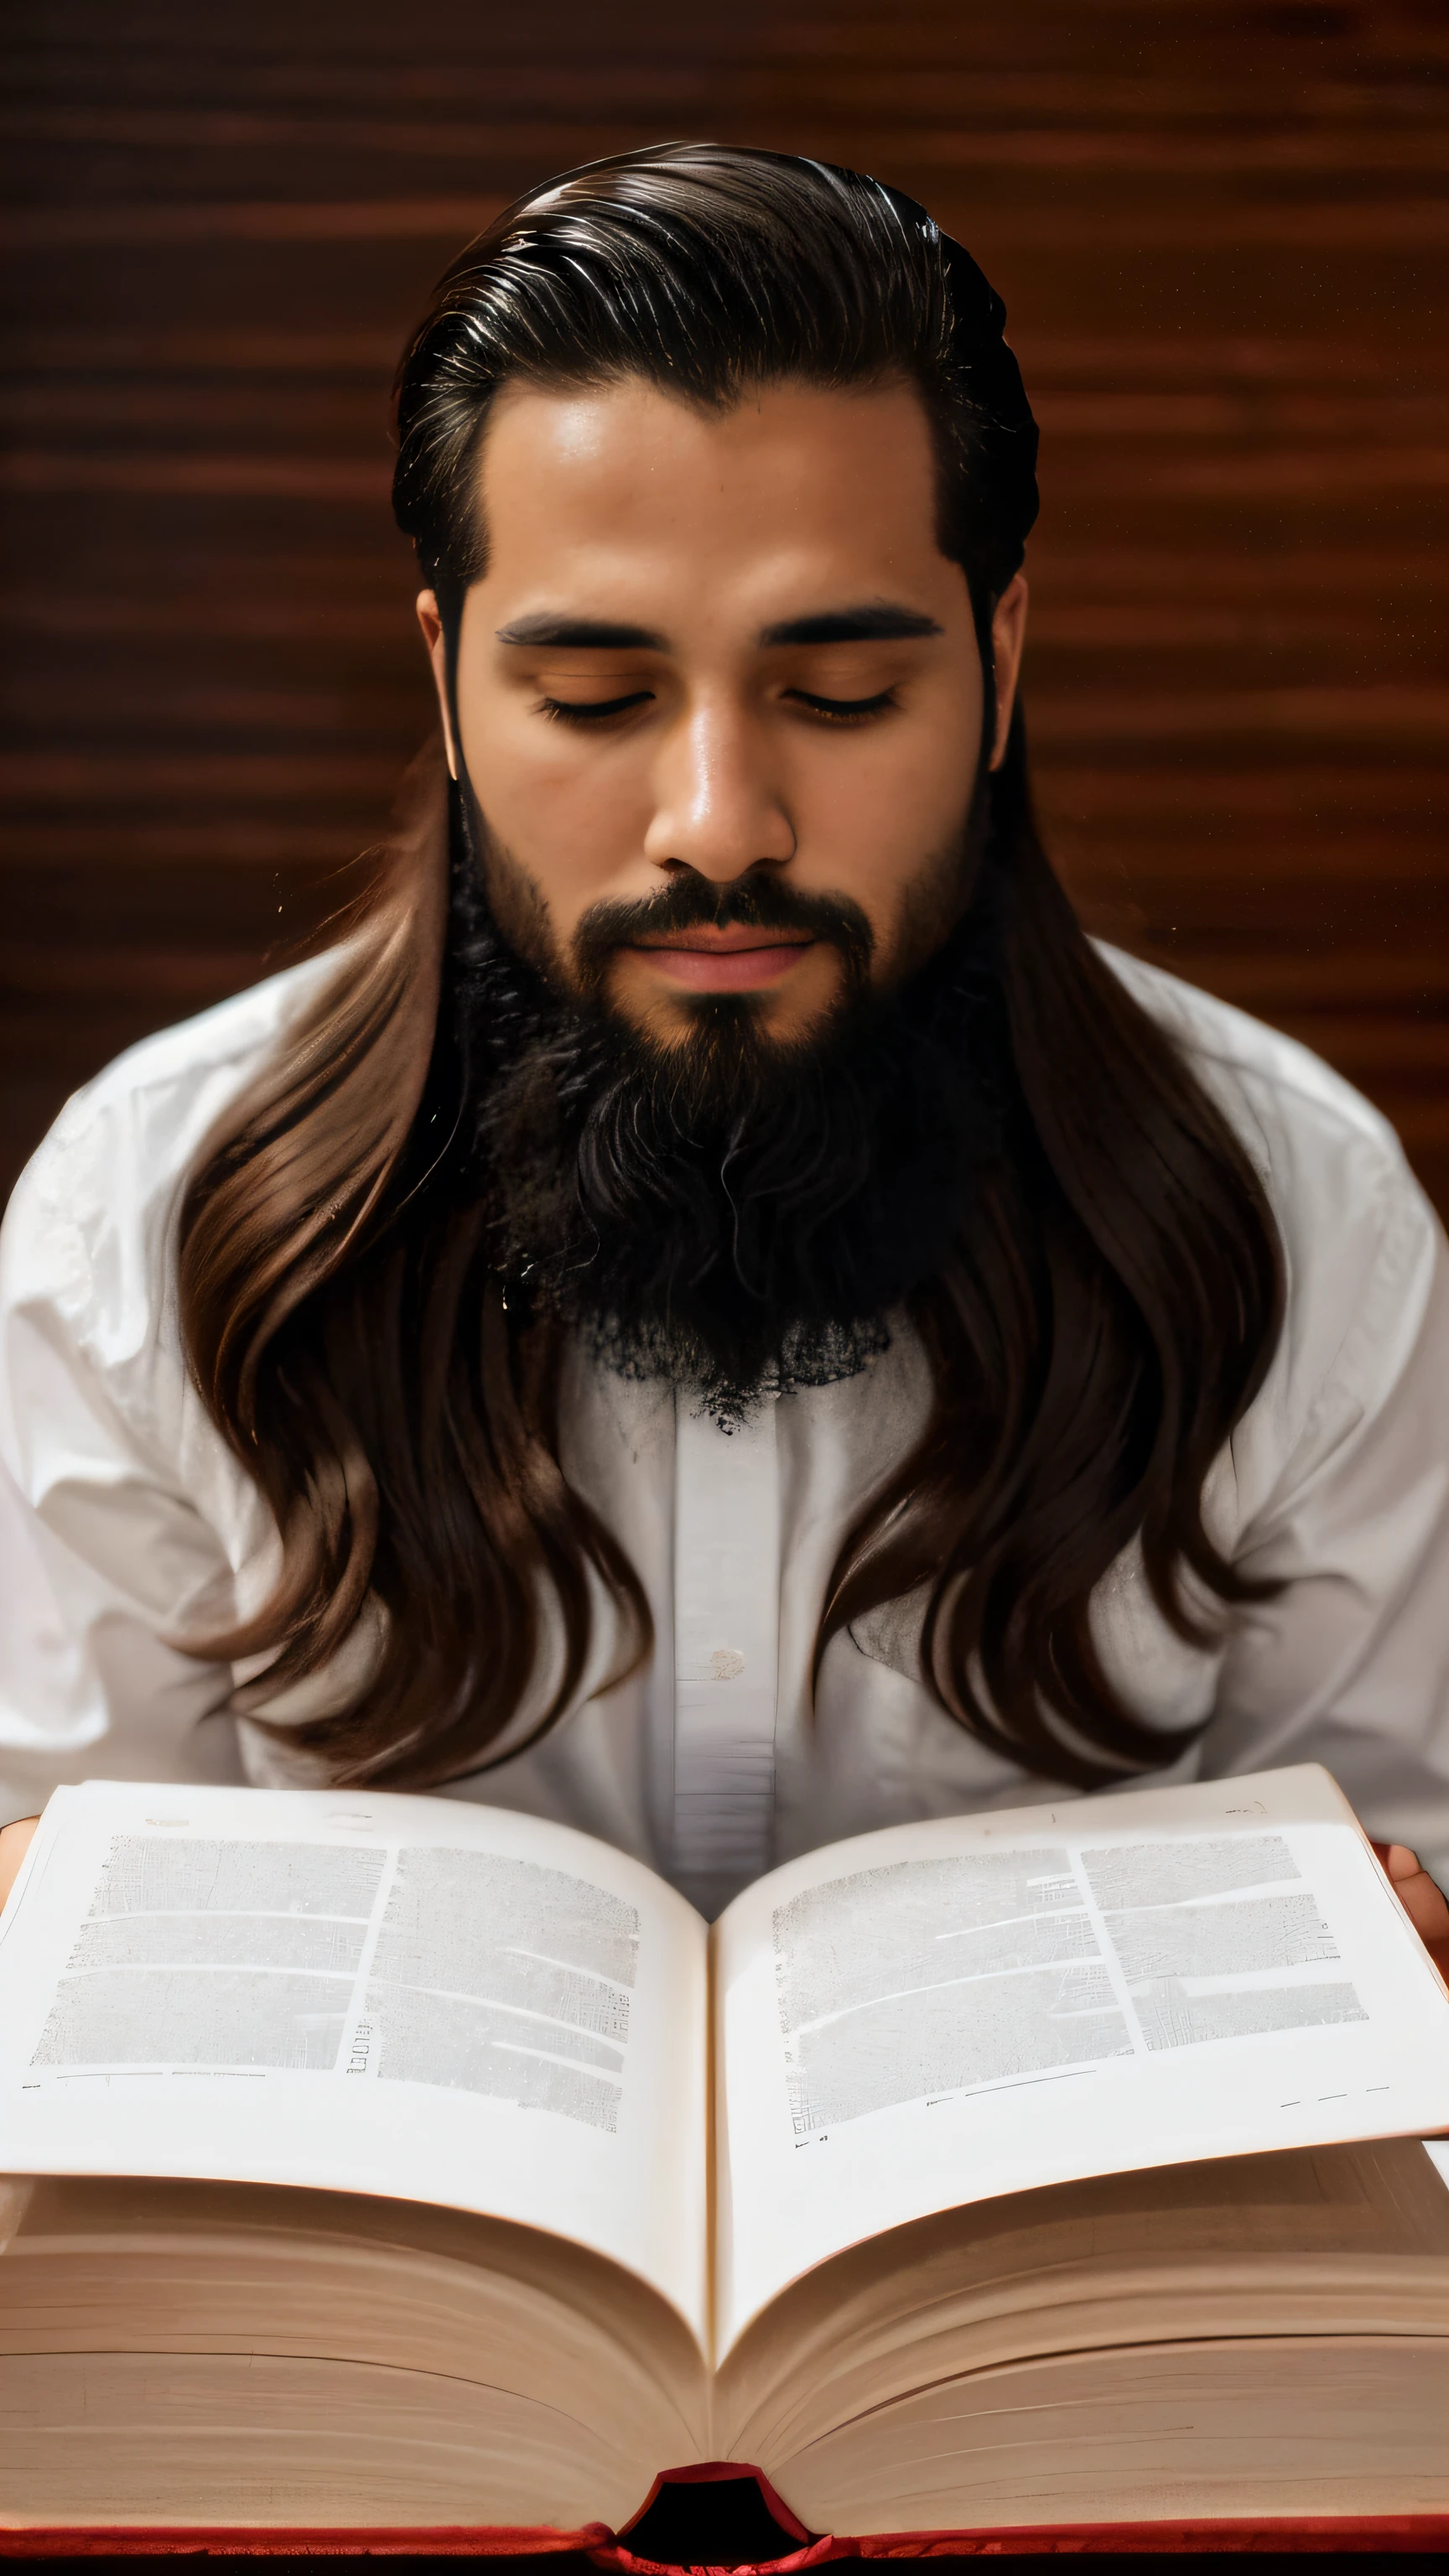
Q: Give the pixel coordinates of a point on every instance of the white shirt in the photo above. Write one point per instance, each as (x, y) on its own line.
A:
(127, 1518)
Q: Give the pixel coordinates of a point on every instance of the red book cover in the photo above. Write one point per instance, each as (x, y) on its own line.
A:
(1252, 2535)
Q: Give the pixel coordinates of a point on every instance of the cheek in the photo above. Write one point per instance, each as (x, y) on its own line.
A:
(572, 826)
(874, 827)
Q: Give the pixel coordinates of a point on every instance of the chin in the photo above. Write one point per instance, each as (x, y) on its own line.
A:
(680, 1020)
(775, 1014)
(761, 1021)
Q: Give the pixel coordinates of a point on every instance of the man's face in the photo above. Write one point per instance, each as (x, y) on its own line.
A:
(714, 653)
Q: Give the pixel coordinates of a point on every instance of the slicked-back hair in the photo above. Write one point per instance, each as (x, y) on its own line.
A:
(1113, 1293)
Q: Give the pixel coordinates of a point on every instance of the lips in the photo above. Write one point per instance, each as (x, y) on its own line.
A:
(738, 960)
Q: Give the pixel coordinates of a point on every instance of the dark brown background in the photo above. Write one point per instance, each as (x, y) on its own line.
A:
(1219, 228)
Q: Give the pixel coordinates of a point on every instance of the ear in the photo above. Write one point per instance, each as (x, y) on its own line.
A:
(1008, 635)
(431, 622)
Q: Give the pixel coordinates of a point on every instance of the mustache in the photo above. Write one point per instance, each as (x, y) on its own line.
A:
(691, 902)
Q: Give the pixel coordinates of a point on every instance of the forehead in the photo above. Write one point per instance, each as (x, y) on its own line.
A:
(623, 480)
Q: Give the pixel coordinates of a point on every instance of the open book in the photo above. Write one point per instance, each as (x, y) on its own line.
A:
(401, 2160)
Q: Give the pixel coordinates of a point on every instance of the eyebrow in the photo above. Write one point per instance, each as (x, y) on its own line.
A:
(582, 634)
(876, 621)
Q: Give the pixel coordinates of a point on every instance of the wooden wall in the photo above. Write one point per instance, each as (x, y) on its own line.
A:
(1220, 226)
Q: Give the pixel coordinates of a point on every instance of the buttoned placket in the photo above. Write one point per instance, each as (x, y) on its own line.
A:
(726, 1647)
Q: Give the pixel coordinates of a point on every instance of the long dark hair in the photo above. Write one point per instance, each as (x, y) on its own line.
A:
(1109, 1304)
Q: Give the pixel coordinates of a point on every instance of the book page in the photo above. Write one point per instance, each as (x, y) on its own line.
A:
(944, 2011)
(412, 1996)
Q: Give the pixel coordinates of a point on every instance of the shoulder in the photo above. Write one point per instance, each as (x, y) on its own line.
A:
(87, 1230)
(1361, 1242)
(1250, 1067)
(1311, 1135)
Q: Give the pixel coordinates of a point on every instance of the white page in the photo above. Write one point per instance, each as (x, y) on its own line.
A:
(945, 2011)
(1438, 2154)
(409, 1996)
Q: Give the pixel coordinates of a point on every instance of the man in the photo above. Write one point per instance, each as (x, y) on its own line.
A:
(717, 1316)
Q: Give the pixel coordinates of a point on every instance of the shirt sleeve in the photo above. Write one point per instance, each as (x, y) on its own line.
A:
(89, 1686)
(124, 1523)
(1348, 1511)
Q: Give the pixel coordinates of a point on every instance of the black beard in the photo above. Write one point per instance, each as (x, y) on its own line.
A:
(731, 1214)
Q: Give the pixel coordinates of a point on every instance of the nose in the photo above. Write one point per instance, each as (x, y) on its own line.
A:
(718, 806)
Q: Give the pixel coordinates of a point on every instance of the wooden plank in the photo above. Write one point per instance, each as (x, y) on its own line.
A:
(1219, 230)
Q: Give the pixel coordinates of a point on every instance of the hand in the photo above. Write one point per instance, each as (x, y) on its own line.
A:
(1421, 1900)
(15, 1843)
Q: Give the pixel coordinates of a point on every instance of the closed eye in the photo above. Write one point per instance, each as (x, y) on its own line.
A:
(843, 710)
(586, 711)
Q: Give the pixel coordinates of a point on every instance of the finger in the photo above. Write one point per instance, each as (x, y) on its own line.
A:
(14, 1844)
(1400, 1862)
(1424, 1905)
